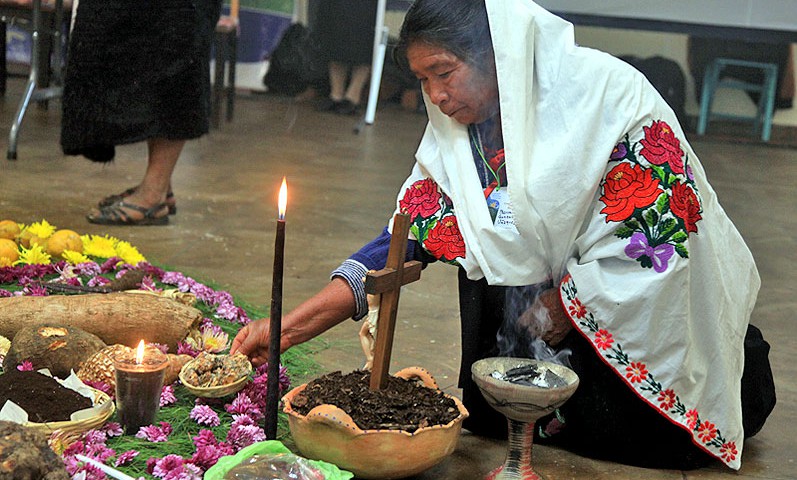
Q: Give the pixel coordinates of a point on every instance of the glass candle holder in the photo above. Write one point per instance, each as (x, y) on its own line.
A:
(138, 387)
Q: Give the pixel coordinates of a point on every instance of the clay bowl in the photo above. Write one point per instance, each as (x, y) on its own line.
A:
(521, 402)
(328, 433)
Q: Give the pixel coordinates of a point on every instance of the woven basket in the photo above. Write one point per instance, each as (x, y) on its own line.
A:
(83, 425)
(213, 392)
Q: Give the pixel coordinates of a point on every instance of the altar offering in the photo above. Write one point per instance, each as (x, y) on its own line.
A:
(139, 380)
(213, 376)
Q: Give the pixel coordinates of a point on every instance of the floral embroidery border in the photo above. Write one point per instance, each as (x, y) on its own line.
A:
(637, 376)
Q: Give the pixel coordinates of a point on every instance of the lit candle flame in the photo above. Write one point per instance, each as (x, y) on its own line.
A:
(140, 353)
(283, 199)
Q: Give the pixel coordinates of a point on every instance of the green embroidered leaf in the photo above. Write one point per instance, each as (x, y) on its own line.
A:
(659, 173)
(681, 250)
(633, 224)
(623, 232)
(651, 217)
(667, 226)
(680, 237)
(662, 203)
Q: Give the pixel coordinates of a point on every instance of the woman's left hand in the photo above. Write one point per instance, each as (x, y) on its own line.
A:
(556, 324)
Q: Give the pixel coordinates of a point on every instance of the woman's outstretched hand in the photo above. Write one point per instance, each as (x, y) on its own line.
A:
(546, 318)
(252, 340)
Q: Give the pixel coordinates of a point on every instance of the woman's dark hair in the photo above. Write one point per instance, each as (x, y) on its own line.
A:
(459, 26)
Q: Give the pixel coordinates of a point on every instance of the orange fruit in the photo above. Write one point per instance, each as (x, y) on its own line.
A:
(63, 240)
(9, 252)
(9, 229)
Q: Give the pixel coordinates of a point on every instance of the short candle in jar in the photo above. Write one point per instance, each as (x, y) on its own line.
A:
(138, 387)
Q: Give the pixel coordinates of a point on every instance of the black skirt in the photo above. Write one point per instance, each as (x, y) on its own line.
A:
(136, 69)
(345, 29)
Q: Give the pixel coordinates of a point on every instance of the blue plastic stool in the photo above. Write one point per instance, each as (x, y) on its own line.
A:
(712, 80)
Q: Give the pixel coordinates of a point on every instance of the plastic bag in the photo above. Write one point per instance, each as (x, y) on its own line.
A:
(277, 451)
(274, 466)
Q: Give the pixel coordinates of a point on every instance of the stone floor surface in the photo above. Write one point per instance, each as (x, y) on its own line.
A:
(342, 189)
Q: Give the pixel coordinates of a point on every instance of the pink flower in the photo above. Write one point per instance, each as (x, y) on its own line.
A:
(205, 437)
(113, 429)
(126, 457)
(166, 464)
(155, 434)
(243, 405)
(207, 455)
(243, 432)
(204, 415)
(25, 366)
(101, 386)
(167, 396)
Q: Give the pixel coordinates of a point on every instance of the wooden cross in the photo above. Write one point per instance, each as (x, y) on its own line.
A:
(388, 282)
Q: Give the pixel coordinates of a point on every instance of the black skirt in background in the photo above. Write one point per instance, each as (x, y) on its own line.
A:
(136, 69)
(345, 29)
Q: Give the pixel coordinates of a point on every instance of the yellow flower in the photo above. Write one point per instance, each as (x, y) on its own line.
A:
(5, 262)
(97, 246)
(129, 253)
(214, 342)
(41, 229)
(74, 258)
(34, 255)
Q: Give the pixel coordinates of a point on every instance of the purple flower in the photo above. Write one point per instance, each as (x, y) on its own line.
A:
(619, 152)
(110, 264)
(5, 293)
(167, 396)
(101, 386)
(658, 255)
(204, 415)
(93, 437)
(98, 281)
(34, 290)
(147, 283)
(185, 348)
(207, 455)
(126, 457)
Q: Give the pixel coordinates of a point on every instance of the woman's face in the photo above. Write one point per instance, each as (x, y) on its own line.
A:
(461, 91)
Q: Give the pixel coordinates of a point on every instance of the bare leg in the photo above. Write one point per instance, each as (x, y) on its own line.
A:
(359, 77)
(152, 191)
(337, 80)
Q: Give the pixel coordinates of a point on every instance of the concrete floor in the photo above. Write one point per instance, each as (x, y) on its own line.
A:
(342, 189)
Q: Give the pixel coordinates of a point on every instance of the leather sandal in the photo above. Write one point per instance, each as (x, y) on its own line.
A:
(116, 214)
(111, 199)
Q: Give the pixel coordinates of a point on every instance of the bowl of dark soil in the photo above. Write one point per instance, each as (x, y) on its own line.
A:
(398, 431)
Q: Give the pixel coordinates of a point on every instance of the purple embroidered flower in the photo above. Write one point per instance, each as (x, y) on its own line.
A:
(659, 256)
(204, 415)
(619, 152)
(125, 457)
(167, 396)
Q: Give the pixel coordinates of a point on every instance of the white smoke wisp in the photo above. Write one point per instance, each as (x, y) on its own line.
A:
(526, 319)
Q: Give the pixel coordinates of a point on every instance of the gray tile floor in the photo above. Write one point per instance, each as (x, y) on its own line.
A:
(342, 190)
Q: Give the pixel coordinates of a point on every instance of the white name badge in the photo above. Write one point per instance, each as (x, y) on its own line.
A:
(501, 210)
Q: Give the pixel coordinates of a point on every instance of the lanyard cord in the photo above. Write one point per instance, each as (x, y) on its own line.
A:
(477, 145)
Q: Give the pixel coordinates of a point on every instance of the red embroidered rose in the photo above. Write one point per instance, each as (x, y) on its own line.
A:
(685, 205)
(603, 339)
(706, 432)
(421, 198)
(445, 241)
(728, 451)
(627, 188)
(636, 372)
(666, 399)
(661, 146)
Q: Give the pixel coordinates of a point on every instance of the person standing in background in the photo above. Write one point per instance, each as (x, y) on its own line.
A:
(138, 71)
(345, 30)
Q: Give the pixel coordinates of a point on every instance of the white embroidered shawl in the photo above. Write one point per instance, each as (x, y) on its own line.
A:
(670, 318)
